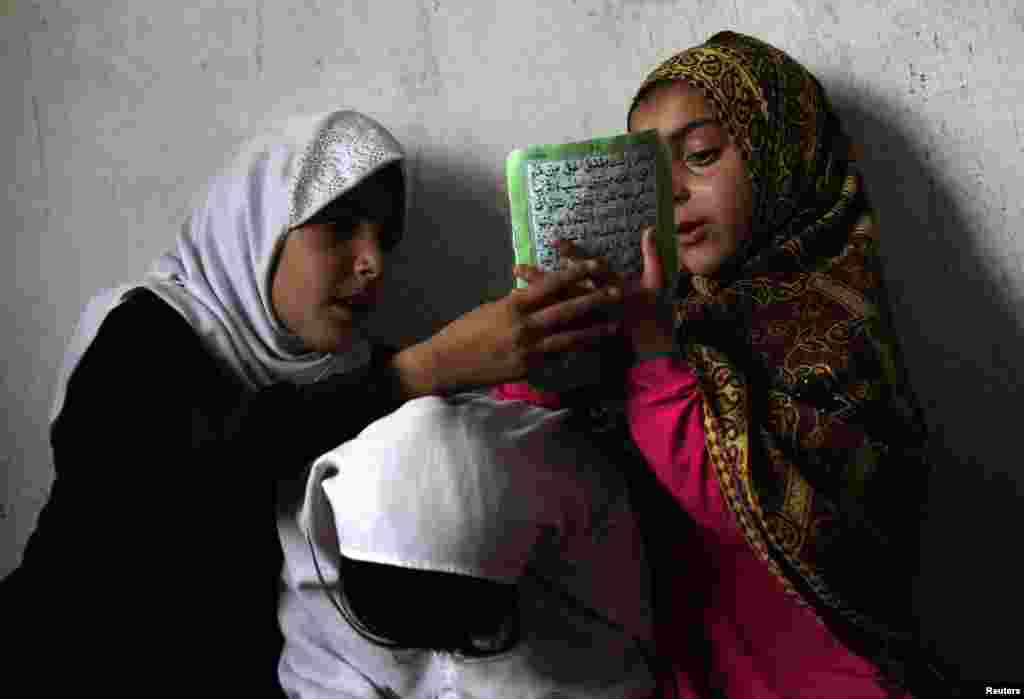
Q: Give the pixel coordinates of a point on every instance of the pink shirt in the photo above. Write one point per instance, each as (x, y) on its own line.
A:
(762, 644)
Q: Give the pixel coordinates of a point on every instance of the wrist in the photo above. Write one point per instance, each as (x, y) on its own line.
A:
(417, 373)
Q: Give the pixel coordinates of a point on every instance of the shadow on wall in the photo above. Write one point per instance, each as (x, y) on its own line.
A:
(457, 249)
(960, 333)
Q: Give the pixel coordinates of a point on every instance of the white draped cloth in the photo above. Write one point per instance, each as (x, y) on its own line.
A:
(500, 490)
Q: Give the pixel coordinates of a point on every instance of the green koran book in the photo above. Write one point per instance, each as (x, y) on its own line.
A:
(600, 194)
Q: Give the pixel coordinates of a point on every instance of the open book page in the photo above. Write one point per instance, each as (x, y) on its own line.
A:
(600, 194)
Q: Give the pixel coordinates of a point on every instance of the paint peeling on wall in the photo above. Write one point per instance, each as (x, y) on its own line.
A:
(40, 138)
(259, 40)
(918, 81)
(421, 76)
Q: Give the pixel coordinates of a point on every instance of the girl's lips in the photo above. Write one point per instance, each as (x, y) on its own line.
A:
(691, 235)
(357, 303)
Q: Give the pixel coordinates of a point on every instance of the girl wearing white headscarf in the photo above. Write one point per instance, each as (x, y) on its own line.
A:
(185, 398)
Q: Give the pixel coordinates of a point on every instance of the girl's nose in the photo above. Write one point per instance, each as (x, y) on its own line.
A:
(369, 262)
(368, 265)
(680, 185)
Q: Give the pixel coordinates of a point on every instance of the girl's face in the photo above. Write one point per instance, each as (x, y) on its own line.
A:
(713, 197)
(327, 277)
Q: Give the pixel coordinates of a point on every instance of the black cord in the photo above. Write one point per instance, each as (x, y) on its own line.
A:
(351, 619)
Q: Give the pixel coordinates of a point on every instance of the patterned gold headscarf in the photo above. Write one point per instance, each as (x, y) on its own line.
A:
(779, 117)
(815, 438)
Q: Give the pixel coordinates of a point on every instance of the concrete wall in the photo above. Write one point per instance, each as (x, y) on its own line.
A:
(116, 112)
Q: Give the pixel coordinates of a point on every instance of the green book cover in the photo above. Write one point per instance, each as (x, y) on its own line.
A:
(600, 194)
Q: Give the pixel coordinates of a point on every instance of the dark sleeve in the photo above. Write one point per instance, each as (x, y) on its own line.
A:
(147, 354)
(158, 547)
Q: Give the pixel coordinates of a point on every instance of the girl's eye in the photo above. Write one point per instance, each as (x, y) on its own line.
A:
(702, 158)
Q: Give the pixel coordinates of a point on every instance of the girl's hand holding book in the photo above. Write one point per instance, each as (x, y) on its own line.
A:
(500, 341)
(646, 321)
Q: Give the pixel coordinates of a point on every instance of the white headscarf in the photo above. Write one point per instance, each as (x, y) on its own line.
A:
(220, 274)
(500, 490)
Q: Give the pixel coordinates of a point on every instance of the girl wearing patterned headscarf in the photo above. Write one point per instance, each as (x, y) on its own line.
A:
(776, 414)
(185, 397)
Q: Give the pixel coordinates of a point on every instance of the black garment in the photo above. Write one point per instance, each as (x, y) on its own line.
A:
(156, 565)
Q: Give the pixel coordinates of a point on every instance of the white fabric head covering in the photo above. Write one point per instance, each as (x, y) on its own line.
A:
(501, 490)
(219, 276)
(455, 486)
